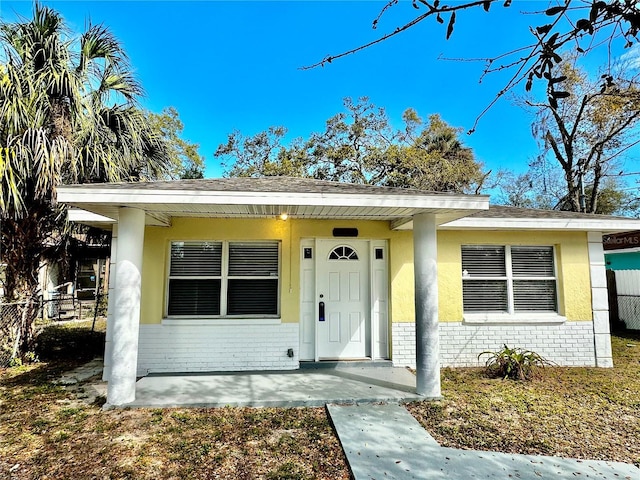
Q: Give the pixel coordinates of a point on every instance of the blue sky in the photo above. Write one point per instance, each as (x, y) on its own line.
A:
(236, 65)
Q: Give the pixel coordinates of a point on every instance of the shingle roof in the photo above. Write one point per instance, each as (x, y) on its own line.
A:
(502, 211)
(310, 185)
(264, 184)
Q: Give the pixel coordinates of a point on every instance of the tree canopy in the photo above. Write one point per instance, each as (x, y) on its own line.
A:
(359, 145)
(185, 160)
(584, 137)
(69, 113)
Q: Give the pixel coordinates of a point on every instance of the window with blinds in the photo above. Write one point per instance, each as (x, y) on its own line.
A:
(223, 279)
(508, 279)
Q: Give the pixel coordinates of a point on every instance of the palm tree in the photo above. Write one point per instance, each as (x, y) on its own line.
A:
(68, 114)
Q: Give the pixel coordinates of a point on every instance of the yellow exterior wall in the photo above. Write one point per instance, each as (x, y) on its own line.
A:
(289, 232)
(572, 266)
(571, 248)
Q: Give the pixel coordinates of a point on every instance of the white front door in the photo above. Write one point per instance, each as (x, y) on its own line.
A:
(344, 299)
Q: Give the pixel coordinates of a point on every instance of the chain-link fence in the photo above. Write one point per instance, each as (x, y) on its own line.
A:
(624, 298)
(629, 311)
(11, 321)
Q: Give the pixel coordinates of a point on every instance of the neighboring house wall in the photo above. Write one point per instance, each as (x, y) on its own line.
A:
(622, 260)
(181, 345)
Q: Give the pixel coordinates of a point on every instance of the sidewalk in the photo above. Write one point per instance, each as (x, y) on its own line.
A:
(386, 442)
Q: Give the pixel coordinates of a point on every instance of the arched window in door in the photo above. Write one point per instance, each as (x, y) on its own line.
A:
(343, 252)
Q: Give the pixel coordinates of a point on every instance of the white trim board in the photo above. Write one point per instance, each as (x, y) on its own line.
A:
(575, 224)
(132, 197)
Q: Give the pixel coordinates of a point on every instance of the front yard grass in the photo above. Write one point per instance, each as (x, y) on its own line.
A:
(47, 433)
(588, 413)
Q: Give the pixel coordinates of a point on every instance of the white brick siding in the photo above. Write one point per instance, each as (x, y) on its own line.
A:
(403, 348)
(215, 348)
(568, 344)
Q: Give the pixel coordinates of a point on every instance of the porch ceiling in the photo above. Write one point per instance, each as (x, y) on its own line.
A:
(161, 215)
(333, 201)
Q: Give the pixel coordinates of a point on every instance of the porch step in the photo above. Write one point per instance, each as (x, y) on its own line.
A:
(335, 364)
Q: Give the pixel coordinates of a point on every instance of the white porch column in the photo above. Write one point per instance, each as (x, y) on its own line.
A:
(426, 297)
(126, 307)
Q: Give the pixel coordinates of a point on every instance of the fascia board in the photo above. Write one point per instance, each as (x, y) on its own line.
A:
(577, 224)
(78, 196)
(622, 250)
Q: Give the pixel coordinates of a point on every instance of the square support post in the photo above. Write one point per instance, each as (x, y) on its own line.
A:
(599, 301)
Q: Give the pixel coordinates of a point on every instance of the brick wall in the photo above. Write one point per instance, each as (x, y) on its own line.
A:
(403, 348)
(208, 348)
(567, 344)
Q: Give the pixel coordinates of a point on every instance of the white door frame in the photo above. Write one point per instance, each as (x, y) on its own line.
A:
(378, 316)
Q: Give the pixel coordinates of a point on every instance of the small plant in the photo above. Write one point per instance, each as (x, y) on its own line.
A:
(15, 362)
(31, 357)
(514, 363)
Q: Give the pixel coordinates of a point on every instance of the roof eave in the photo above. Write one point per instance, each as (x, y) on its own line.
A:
(131, 197)
(604, 225)
(162, 204)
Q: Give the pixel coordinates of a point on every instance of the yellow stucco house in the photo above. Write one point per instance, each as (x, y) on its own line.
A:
(263, 274)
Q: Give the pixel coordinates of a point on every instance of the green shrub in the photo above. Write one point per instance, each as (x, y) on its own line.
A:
(514, 363)
(69, 342)
(26, 359)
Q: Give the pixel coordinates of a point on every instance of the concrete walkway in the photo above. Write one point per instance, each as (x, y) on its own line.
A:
(386, 442)
(81, 373)
(296, 388)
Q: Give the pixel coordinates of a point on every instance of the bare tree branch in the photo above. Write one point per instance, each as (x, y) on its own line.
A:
(617, 18)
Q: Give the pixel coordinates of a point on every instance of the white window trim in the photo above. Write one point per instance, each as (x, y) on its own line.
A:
(216, 321)
(224, 278)
(511, 316)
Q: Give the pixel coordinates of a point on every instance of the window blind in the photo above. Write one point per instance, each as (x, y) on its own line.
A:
(527, 282)
(194, 297)
(196, 259)
(483, 261)
(253, 259)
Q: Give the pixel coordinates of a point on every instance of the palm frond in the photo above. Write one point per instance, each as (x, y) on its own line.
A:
(55, 126)
(98, 43)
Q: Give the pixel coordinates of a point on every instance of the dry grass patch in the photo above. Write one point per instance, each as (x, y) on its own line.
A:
(41, 436)
(588, 413)
(46, 433)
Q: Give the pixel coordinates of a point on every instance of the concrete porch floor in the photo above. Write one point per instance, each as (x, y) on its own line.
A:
(306, 387)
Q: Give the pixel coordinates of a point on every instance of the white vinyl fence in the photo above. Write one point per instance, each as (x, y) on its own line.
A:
(628, 289)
